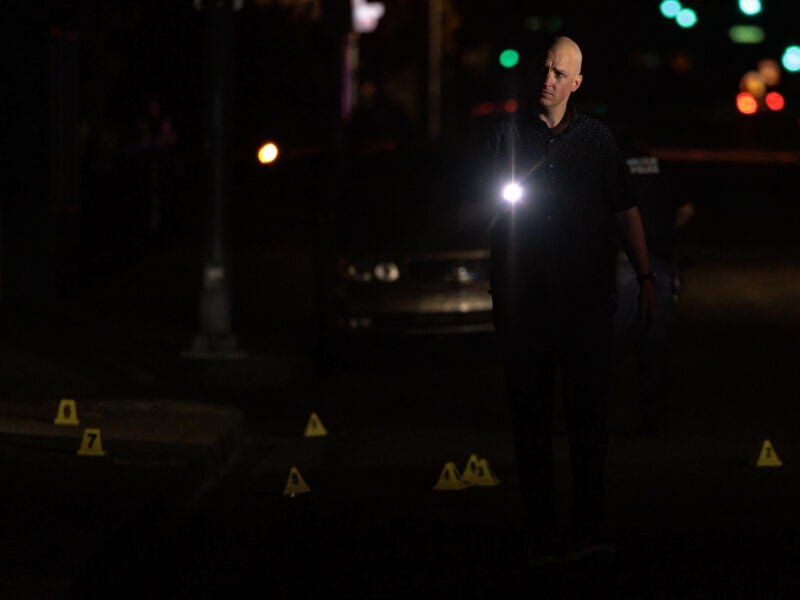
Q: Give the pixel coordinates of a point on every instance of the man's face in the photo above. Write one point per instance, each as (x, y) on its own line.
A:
(559, 76)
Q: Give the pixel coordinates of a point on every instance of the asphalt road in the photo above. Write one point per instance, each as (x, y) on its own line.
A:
(693, 515)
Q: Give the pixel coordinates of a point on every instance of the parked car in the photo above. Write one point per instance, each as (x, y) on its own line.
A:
(411, 247)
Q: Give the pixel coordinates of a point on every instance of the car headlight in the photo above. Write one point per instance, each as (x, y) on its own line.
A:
(363, 272)
(354, 273)
(386, 272)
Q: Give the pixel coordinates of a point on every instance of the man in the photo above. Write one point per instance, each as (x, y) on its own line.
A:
(663, 213)
(552, 283)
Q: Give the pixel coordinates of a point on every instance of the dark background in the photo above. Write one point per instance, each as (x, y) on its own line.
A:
(78, 75)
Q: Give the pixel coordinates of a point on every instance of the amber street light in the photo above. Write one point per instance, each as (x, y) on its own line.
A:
(268, 153)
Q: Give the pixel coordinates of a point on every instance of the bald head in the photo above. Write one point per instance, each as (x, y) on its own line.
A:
(567, 48)
(560, 75)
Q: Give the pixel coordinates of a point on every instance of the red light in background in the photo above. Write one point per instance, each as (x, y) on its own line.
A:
(746, 103)
(775, 101)
(482, 109)
(510, 106)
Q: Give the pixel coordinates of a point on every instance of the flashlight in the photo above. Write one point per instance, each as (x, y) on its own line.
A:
(512, 192)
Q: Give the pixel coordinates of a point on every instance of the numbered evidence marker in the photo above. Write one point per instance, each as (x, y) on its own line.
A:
(67, 413)
(450, 479)
(478, 472)
(470, 470)
(295, 484)
(314, 427)
(484, 476)
(768, 457)
(92, 443)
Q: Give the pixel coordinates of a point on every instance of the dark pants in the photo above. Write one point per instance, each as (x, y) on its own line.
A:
(577, 341)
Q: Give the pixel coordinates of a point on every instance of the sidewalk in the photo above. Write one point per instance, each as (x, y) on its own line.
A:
(115, 347)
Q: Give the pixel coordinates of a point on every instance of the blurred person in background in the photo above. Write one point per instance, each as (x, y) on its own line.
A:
(664, 211)
(157, 140)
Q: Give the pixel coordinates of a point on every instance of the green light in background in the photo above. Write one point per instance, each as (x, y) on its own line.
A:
(509, 58)
(750, 7)
(791, 59)
(746, 34)
(686, 18)
(670, 8)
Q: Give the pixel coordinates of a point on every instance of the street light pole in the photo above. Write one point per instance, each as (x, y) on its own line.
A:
(215, 339)
(434, 68)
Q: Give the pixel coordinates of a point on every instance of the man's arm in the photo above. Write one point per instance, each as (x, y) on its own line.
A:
(630, 233)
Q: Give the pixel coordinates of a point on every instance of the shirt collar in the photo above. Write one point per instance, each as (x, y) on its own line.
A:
(565, 122)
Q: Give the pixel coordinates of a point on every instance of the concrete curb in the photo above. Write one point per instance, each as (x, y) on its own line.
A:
(164, 432)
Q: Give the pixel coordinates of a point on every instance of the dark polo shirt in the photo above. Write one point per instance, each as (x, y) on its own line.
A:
(557, 244)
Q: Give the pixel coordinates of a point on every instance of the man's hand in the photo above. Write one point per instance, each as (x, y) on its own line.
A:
(649, 309)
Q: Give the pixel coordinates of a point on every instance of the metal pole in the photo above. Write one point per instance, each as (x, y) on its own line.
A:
(434, 68)
(350, 67)
(215, 339)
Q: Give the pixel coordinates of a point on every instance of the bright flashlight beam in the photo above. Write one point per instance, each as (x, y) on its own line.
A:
(512, 192)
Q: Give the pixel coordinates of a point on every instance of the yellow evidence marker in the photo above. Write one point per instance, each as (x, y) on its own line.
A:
(314, 427)
(295, 484)
(450, 479)
(470, 470)
(768, 457)
(92, 444)
(484, 476)
(67, 413)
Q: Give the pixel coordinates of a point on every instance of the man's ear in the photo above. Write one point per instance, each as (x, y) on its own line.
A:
(577, 82)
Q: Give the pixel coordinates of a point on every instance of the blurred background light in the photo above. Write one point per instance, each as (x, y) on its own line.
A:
(268, 153)
(746, 34)
(746, 103)
(509, 58)
(770, 71)
(750, 7)
(681, 62)
(551, 23)
(775, 101)
(753, 83)
(366, 15)
(686, 18)
(670, 8)
(791, 58)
